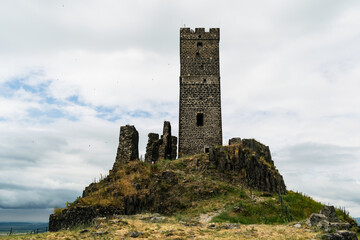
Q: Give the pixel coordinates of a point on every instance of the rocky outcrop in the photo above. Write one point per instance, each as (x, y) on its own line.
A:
(163, 148)
(330, 213)
(137, 186)
(234, 141)
(74, 216)
(253, 161)
(261, 149)
(328, 222)
(340, 235)
(128, 149)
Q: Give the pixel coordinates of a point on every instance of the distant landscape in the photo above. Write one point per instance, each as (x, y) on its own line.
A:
(358, 220)
(22, 227)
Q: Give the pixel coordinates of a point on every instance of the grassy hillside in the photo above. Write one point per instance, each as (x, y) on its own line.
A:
(191, 193)
(198, 190)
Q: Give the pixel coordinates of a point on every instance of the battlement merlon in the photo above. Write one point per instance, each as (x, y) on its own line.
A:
(199, 33)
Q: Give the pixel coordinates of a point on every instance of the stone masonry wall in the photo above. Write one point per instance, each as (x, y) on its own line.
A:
(163, 148)
(199, 91)
(128, 149)
(152, 148)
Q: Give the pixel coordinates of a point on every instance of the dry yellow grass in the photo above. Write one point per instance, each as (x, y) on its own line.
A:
(172, 229)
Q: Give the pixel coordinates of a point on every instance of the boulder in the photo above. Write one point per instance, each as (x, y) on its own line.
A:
(340, 235)
(315, 218)
(330, 213)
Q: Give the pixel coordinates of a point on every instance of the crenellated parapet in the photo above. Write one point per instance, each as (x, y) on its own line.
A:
(199, 33)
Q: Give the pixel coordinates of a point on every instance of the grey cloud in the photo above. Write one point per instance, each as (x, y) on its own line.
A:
(323, 171)
(25, 215)
(35, 198)
(318, 154)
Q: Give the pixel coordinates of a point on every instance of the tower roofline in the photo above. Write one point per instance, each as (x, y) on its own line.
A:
(199, 33)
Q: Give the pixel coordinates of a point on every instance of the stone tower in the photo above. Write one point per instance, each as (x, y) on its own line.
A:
(200, 100)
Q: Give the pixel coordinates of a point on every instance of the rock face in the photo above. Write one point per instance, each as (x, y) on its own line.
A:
(128, 149)
(261, 149)
(328, 222)
(340, 235)
(234, 141)
(79, 215)
(330, 214)
(253, 160)
(163, 148)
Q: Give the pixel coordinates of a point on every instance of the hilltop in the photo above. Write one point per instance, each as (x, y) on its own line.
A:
(234, 184)
(168, 187)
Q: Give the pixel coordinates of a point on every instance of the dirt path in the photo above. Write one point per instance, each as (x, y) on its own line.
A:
(206, 217)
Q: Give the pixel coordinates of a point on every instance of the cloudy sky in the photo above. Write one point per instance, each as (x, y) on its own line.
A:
(73, 72)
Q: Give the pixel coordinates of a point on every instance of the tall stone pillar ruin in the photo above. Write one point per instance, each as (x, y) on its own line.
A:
(128, 149)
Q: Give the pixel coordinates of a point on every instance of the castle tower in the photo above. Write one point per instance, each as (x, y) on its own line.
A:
(200, 100)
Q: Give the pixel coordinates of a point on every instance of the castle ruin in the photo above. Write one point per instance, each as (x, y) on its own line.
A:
(200, 100)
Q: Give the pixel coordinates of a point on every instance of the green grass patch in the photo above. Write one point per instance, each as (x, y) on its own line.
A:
(268, 210)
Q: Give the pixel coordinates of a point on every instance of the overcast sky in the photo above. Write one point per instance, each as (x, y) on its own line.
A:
(73, 72)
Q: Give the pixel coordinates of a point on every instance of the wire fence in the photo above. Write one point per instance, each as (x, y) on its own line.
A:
(14, 231)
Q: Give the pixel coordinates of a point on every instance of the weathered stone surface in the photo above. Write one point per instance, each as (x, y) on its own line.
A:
(315, 218)
(134, 234)
(348, 235)
(298, 225)
(329, 212)
(163, 148)
(99, 233)
(340, 235)
(234, 141)
(200, 103)
(128, 149)
(71, 217)
(84, 231)
(173, 151)
(152, 148)
(328, 222)
(248, 163)
(259, 148)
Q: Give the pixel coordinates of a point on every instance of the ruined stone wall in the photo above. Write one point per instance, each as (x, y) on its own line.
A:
(128, 149)
(200, 97)
(152, 148)
(163, 148)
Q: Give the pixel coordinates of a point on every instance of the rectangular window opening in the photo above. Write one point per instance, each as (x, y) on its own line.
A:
(200, 119)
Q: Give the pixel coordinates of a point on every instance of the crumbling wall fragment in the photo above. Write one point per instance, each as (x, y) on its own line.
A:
(163, 148)
(128, 149)
(152, 148)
